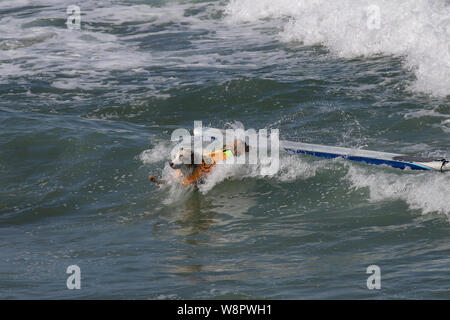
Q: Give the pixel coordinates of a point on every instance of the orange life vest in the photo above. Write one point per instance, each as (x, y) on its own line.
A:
(205, 168)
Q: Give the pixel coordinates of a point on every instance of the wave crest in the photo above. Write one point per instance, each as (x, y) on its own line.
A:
(419, 30)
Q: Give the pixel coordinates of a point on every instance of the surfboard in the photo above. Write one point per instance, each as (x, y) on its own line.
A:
(400, 161)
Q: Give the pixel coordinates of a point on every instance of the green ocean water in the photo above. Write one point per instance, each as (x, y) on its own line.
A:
(86, 115)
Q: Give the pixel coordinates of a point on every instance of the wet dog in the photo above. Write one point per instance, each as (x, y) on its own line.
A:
(192, 173)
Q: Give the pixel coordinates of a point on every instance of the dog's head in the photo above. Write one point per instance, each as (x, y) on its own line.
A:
(183, 158)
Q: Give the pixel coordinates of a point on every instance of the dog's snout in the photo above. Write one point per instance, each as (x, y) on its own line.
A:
(171, 164)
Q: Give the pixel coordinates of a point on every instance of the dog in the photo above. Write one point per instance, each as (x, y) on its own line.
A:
(194, 174)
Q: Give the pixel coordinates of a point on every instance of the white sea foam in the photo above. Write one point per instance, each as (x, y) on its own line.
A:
(419, 30)
(160, 152)
(39, 44)
(28, 47)
(445, 125)
(287, 168)
(425, 113)
(426, 192)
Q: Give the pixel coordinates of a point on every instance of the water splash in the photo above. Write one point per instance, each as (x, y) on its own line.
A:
(418, 30)
(427, 192)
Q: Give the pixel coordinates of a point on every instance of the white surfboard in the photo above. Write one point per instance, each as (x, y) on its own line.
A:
(400, 161)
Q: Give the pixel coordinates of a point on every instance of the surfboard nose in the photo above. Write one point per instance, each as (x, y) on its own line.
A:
(439, 165)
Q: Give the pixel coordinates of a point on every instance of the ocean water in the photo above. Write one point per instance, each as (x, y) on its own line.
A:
(86, 115)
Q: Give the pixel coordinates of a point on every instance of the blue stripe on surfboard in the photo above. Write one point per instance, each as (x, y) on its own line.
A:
(392, 163)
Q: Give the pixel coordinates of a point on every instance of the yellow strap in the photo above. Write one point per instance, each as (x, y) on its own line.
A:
(219, 155)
